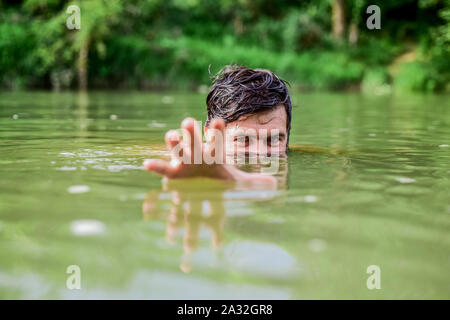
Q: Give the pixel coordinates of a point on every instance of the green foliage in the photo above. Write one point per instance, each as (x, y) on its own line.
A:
(416, 76)
(375, 80)
(12, 39)
(167, 43)
(192, 58)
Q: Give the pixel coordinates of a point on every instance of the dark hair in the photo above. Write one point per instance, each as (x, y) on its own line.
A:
(239, 90)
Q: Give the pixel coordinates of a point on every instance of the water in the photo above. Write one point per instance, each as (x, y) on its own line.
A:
(73, 192)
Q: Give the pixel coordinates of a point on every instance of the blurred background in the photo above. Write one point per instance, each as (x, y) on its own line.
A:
(369, 186)
(174, 44)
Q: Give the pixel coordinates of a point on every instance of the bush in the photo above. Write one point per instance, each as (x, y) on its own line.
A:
(416, 76)
(312, 69)
(376, 80)
(15, 63)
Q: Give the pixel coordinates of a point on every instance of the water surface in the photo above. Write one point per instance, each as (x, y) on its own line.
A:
(73, 192)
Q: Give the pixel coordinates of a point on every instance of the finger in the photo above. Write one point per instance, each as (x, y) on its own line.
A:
(186, 263)
(193, 140)
(218, 124)
(192, 227)
(217, 142)
(174, 222)
(160, 167)
(215, 221)
(149, 206)
(173, 144)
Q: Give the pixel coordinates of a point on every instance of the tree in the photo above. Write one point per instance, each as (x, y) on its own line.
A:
(338, 19)
(97, 19)
(353, 32)
(60, 48)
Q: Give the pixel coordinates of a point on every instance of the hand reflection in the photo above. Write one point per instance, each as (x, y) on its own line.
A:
(188, 208)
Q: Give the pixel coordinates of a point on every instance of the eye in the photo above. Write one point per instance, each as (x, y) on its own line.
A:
(244, 140)
(240, 140)
(274, 140)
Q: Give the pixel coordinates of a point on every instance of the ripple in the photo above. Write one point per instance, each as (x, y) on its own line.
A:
(307, 199)
(250, 194)
(67, 154)
(155, 124)
(78, 189)
(407, 190)
(87, 227)
(65, 168)
(405, 180)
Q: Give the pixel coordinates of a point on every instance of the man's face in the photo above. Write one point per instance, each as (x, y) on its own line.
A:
(263, 133)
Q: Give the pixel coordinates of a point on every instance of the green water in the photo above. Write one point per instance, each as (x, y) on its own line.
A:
(384, 202)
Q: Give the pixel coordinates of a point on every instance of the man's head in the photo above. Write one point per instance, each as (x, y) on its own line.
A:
(251, 101)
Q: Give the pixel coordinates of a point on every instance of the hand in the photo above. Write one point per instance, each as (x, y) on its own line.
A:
(187, 210)
(185, 154)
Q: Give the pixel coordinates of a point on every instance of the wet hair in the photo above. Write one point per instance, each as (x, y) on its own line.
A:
(239, 90)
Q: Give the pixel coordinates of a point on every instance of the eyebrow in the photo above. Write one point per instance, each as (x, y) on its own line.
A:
(265, 121)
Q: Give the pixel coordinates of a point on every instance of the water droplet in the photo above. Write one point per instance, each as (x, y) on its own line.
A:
(87, 227)
(372, 134)
(310, 198)
(65, 168)
(78, 189)
(443, 145)
(307, 198)
(405, 180)
(113, 117)
(67, 154)
(156, 124)
(15, 116)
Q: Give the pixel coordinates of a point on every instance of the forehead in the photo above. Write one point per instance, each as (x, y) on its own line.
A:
(271, 119)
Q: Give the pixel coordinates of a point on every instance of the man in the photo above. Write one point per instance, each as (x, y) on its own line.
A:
(249, 113)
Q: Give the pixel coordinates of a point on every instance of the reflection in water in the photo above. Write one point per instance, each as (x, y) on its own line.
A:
(201, 204)
(83, 104)
(188, 209)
